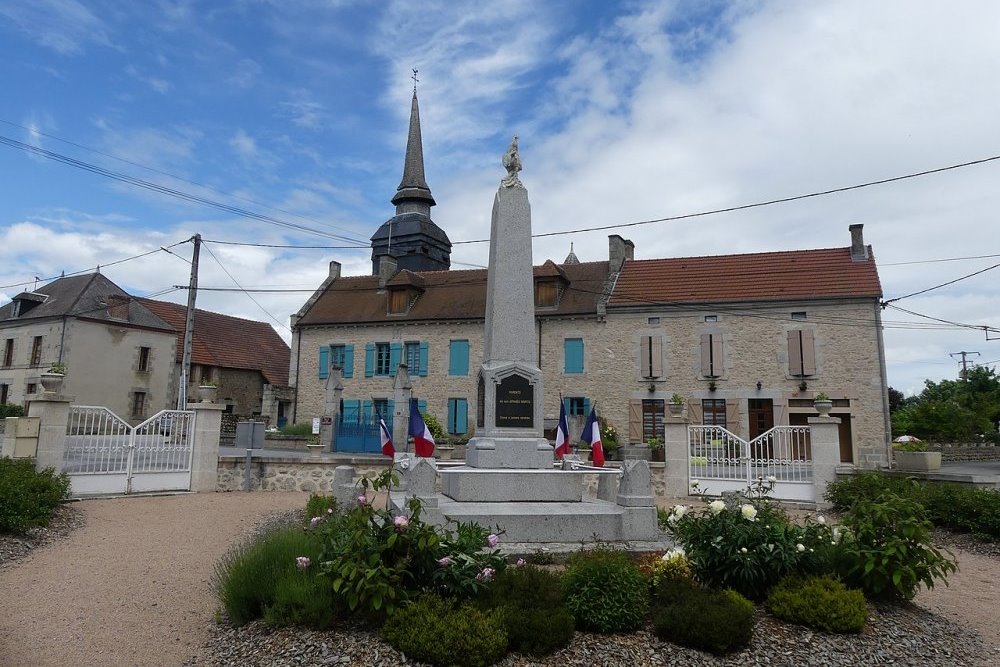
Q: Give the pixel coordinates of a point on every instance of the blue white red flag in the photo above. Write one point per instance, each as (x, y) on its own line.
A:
(562, 433)
(592, 434)
(423, 441)
(387, 447)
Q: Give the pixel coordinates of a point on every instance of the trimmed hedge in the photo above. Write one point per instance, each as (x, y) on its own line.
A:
(28, 497)
(709, 620)
(605, 591)
(535, 614)
(823, 603)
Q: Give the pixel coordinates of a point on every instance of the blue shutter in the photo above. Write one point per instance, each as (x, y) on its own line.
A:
(369, 359)
(458, 357)
(395, 352)
(566, 405)
(351, 410)
(451, 414)
(366, 410)
(573, 348)
(461, 416)
(586, 407)
(422, 407)
(348, 361)
(324, 362)
(423, 358)
(389, 417)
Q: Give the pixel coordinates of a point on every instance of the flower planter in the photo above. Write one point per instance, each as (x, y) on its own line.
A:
(52, 382)
(659, 454)
(675, 409)
(207, 392)
(823, 407)
(917, 461)
(444, 453)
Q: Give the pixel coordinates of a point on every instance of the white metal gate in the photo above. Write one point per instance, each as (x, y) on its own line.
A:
(104, 454)
(722, 461)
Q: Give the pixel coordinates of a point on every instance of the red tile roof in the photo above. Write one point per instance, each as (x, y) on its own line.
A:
(227, 342)
(766, 276)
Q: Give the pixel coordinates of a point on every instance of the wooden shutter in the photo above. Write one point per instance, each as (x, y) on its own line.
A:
(635, 420)
(780, 415)
(718, 360)
(733, 423)
(348, 361)
(645, 362)
(695, 411)
(656, 354)
(369, 359)
(706, 355)
(795, 352)
(324, 361)
(808, 352)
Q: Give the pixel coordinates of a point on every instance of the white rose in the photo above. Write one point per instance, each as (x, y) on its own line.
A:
(749, 512)
(743, 550)
(800, 547)
(716, 506)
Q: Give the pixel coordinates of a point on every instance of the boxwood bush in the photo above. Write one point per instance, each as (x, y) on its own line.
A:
(709, 620)
(605, 591)
(28, 497)
(823, 603)
(535, 613)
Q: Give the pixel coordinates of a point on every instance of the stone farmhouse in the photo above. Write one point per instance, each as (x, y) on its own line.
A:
(124, 352)
(747, 340)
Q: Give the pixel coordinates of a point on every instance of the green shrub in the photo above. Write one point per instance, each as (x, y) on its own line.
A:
(670, 566)
(10, 410)
(818, 602)
(605, 591)
(868, 486)
(28, 497)
(887, 551)
(303, 428)
(438, 631)
(535, 615)
(303, 599)
(714, 621)
(319, 505)
(247, 579)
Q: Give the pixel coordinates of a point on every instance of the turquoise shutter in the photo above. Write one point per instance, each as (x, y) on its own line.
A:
(451, 414)
(422, 407)
(369, 359)
(366, 410)
(586, 407)
(348, 361)
(351, 409)
(461, 416)
(566, 406)
(324, 362)
(423, 358)
(458, 357)
(395, 352)
(573, 348)
(392, 411)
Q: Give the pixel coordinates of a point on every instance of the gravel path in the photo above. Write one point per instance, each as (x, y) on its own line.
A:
(130, 586)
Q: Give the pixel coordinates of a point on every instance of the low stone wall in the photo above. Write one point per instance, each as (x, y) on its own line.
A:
(316, 475)
(967, 451)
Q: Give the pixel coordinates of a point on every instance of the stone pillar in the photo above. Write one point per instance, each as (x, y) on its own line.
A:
(824, 437)
(52, 411)
(675, 456)
(205, 454)
(402, 390)
(269, 406)
(331, 408)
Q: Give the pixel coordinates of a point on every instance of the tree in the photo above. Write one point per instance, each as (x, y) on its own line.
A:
(896, 399)
(953, 410)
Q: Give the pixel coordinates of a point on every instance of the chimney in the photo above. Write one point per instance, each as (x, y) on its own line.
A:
(619, 250)
(386, 270)
(334, 270)
(859, 251)
(118, 306)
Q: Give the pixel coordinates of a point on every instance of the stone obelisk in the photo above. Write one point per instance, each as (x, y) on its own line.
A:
(509, 405)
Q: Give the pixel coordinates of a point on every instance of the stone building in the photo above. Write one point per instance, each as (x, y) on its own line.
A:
(748, 340)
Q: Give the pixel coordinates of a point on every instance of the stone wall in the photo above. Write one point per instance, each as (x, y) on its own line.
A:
(956, 452)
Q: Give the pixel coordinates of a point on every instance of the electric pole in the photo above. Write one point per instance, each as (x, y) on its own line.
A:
(963, 354)
(189, 326)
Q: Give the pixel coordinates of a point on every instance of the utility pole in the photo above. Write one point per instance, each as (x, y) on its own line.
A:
(965, 369)
(189, 326)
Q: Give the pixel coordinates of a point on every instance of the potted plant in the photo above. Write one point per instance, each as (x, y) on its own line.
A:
(52, 379)
(823, 404)
(207, 391)
(913, 455)
(656, 447)
(676, 405)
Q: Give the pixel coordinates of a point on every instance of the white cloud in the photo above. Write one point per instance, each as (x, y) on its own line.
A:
(244, 145)
(65, 26)
(159, 85)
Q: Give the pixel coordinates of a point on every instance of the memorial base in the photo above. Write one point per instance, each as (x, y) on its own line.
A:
(509, 453)
(474, 485)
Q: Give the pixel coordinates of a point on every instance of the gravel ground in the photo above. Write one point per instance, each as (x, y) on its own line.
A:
(126, 582)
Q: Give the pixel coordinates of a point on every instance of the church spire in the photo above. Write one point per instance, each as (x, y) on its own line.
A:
(413, 187)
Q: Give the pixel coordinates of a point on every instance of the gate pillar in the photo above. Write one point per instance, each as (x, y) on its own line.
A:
(675, 456)
(401, 392)
(205, 448)
(825, 442)
(331, 408)
(52, 410)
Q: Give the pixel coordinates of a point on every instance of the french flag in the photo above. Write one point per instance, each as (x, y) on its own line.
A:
(387, 447)
(592, 434)
(562, 433)
(423, 441)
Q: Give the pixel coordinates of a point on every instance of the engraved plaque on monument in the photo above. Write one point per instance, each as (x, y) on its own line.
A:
(515, 402)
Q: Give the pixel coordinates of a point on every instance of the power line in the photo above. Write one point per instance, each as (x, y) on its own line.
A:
(280, 245)
(980, 327)
(950, 282)
(933, 261)
(168, 174)
(770, 202)
(162, 189)
(249, 296)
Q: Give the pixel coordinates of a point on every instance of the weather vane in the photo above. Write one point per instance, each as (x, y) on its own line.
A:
(415, 79)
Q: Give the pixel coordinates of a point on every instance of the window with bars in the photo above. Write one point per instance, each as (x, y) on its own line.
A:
(382, 363)
(36, 351)
(652, 418)
(143, 364)
(8, 353)
(713, 412)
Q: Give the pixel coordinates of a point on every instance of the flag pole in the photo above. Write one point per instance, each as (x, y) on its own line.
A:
(392, 459)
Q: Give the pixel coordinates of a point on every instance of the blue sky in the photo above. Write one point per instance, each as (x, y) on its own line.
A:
(626, 111)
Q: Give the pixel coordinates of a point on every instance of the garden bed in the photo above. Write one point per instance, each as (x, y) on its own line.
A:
(65, 519)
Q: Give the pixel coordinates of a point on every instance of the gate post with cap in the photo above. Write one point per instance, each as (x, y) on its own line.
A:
(205, 448)
(52, 410)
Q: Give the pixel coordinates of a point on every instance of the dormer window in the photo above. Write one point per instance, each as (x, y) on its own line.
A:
(398, 301)
(550, 279)
(403, 290)
(546, 293)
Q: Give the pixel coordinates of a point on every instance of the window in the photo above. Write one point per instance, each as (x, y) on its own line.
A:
(36, 351)
(713, 412)
(577, 406)
(651, 356)
(573, 349)
(653, 321)
(801, 352)
(546, 293)
(711, 318)
(382, 410)
(398, 301)
(143, 359)
(458, 357)
(138, 404)
(413, 356)
(652, 419)
(30, 388)
(4, 393)
(458, 416)
(711, 355)
(8, 353)
(341, 356)
(382, 364)
(800, 315)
